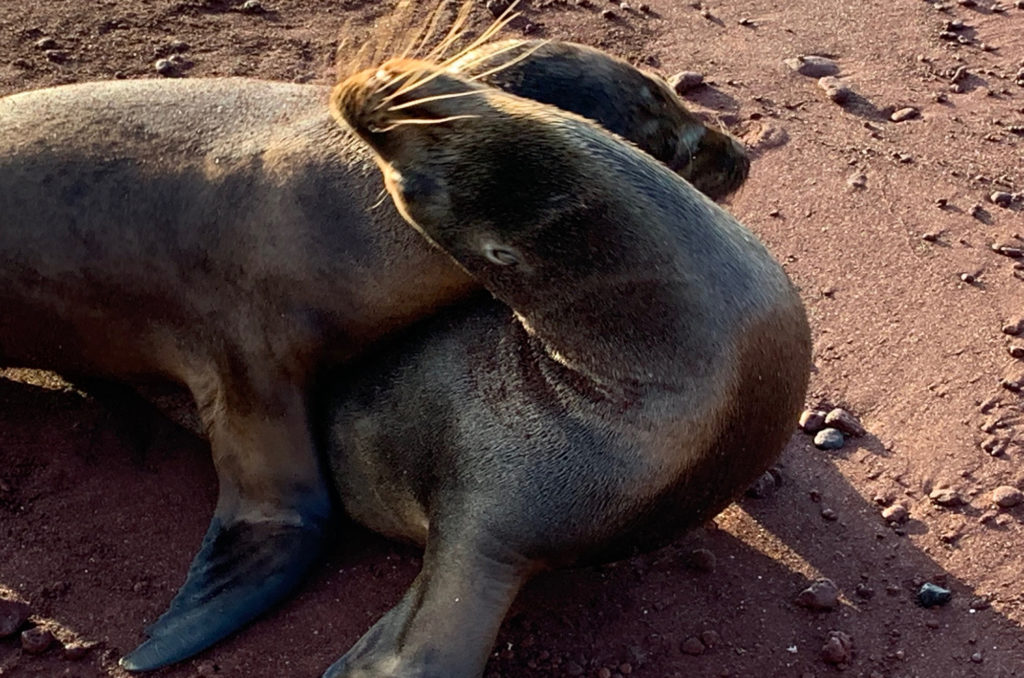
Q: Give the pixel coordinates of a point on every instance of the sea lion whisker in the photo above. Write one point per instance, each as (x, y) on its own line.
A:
(437, 97)
(454, 33)
(423, 121)
(511, 62)
(500, 23)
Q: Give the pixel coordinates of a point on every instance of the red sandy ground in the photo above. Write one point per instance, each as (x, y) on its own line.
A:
(98, 540)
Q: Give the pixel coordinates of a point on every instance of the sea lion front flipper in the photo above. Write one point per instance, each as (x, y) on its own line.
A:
(272, 511)
(446, 623)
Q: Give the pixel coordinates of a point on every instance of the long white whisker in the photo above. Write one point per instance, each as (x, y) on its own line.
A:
(437, 97)
(454, 33)
(511, 62)
(421, 121)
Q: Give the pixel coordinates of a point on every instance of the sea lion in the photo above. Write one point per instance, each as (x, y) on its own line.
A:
(220, 233)
(645, 360)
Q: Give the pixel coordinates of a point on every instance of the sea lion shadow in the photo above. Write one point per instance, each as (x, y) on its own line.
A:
(710, 97)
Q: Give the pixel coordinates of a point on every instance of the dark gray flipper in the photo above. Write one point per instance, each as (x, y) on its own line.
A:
(272, 512)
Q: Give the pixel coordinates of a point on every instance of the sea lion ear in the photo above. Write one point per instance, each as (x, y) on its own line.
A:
(499, 253)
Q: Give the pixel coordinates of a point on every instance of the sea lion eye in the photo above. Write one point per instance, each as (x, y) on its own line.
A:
(499, 255)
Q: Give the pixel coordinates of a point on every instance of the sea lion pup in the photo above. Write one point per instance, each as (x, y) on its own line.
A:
(220, 233)
(650, 366)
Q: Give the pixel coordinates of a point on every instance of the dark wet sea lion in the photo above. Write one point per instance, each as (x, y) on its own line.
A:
(649, 364)
(219, 233)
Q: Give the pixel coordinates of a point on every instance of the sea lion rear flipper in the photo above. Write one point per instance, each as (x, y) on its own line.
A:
(272, 511)
(446, 623)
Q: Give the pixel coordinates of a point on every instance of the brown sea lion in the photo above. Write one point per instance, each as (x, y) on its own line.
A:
(220, 233)
(645, 360)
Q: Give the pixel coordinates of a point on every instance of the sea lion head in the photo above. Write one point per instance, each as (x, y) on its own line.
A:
(550, 211)
(637, 106)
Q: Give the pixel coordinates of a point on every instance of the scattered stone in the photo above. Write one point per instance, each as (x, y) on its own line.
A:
(609, 15)
(13, 615)
(1014, 327)
(857, 181)
(987, 517)
(36, 640)
(821, 595)
(1007, 496)
(46, 43)
(968, 278)
(838, 649)
(686, 81)
(1001, 198)
(1016, 352)
(1008, 250)
(812, 421)
(845, 422)
(977, 658)
(746, 21)
(710, 638)
(644, 8)
(829, 439)
(835, 89)
(206, 668)
(902, 114)
(829, 514)
(930, 237)
(765, 485)
(959, 74)
(77, 651)
(693, 646)
(980, 603)
(57, 56)
(165, 67)
(864, 591)
(945, 496)
(702, 560)
(812, 66)
(931, 595)
(252, 7)
(897, 513)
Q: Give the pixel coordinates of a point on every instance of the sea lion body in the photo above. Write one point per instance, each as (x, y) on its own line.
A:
(649, 364)
(220, 233)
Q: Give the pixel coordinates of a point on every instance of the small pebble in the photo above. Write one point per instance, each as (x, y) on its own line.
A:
(829, 439)
(685, 81)
(931, 595)
(930, 237)
(821, 595)
(897, 513)
(710, 638)
(829, 514)
(165, 67)
(1014, 327)
(967, 278)
(902, 114)
(857, 180)
(693, 646)
(812, 421)
(252, 7)
(945, 496)
(13, 615)
(1001, 198)
(864, 591)
(1016, 352)
(46, 43)
(765, 485)
(1007, 496)
(702, 560)
(36, 640)
(77, 651)
(845, 422)
(609, 15)
(837, 649)
(977, 658)
(959, 74)
(812, 66)
(835, 89)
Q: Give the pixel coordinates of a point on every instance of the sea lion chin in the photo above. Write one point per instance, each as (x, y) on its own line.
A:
(645, 360)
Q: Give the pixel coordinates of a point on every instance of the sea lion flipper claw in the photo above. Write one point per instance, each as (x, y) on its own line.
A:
(272, 512)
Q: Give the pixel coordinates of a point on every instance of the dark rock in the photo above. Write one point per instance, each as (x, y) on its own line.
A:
(829, 439)
(838, 649)
(931, 595)
(812, 421)
(703, 560)
(822, 595)
(692, 646)
(13, 616)
(36, 640)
